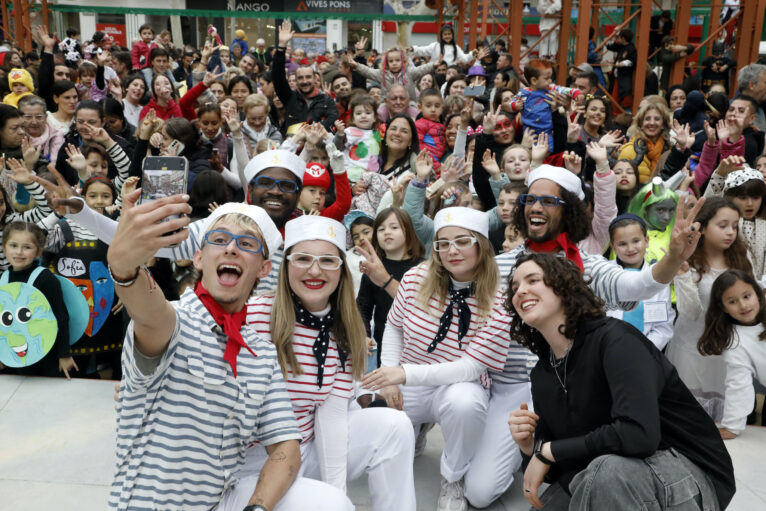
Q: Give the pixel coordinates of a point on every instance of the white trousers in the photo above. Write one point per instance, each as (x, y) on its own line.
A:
(380, 442)
(497, 457)
(461, 410)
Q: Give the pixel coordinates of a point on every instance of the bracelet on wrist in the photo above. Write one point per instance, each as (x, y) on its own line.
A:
(390, 278)
(418, 183)
(126, 282)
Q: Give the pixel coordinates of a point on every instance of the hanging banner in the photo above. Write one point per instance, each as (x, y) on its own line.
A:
(115, 31)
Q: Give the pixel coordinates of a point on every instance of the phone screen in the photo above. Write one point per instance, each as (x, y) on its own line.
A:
(474, 91)
(163, 176)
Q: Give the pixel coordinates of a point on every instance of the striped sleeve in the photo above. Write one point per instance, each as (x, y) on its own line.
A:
(122, 163)
(41, 210)
(133, 377)
(404, 298)
(489, 346)
(276, 419)
(617, 286)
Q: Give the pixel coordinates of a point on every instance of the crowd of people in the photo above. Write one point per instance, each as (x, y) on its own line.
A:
(370, 244)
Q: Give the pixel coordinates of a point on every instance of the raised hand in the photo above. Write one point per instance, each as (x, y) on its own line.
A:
(361, 44)
(686, 232)
(101, 136)
(540, 148)
(103, 58)
(129, 185)
(60, 193)
(596, 151)
(30, 153)
(19, 172)
(729, 164)
(211, 77)
(340, 127)
(528, 139)
(490, 164)
(573, 162)
(115, 89)
(684, 136)
(44, 38)
(466, 114)
(490, 120)
(75, 159)
(233, 122)
(612, 138)
(286, 32)
(710, 132)
(424, 165)
(573, 128)
(146, 126)
(724, 130)
(316, 132)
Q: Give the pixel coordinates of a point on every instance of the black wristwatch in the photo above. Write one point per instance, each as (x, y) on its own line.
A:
(538, 452)
(255, 507)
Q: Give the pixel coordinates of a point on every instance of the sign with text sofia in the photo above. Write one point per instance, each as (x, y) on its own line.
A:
(318, 6)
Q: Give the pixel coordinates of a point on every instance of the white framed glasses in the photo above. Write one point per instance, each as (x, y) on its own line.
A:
(325, 262)
(460, 243)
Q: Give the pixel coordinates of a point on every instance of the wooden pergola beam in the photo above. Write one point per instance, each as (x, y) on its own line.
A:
(683, 12)
(639, 75)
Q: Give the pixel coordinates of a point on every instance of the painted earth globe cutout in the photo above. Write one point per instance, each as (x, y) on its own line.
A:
(28, 327)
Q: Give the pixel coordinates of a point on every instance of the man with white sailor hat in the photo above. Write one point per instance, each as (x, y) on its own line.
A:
(551, 216)
(177, 355)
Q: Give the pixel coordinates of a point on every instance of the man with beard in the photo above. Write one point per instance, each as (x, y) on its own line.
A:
(275, 180)
(306, 103)
(341, 87)
(552, 218)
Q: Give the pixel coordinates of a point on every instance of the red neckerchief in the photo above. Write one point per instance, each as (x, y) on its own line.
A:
(231, 323)
(561, 242)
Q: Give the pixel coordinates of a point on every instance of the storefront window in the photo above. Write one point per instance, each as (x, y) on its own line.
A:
(357, 30)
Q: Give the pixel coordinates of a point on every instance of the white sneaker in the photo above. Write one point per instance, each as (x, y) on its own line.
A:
(420, 441)
(451, 497)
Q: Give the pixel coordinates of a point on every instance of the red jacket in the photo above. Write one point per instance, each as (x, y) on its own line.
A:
(189, 99)
(141, 49)
(172, 110)
(342, 199)
(432, 137)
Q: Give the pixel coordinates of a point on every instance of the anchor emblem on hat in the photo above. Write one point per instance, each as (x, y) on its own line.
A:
(331, 231)
(448, 217)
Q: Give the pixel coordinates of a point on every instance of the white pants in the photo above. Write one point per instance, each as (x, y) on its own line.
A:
(461, 410)
(498, 457)
(303, 494)
(380, 442)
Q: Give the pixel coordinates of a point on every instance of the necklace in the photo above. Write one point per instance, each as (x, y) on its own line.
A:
(555, 365)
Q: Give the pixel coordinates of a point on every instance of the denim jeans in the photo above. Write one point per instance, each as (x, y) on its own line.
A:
(667, 480)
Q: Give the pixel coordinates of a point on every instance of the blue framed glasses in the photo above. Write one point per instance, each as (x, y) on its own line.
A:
(285, 185)
(549, 201)
(245, 242)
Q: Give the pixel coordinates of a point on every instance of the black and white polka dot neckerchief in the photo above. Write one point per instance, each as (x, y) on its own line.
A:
(322, 341)
(456, 298)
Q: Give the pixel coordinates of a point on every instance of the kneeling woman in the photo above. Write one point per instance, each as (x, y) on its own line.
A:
(313, 321)
(447, 311)
(614, 426)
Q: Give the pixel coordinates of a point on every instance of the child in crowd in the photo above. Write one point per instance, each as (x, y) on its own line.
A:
(431, 132)
(629, 240)
(79, 256)
(746, 188)
(516, 162)
(735, 327)
(398, 248)
(532, 101)
(359, 225)
(21, 84)
(395, 70)
(316, 183)
(656, 205)
(626, 173)
(87, 73)
(47, 351)
(360, 141)
(139, 52)
(719, 249)
(71, 48)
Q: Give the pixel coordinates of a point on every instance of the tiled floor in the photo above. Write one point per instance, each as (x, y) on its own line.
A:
(57, 452)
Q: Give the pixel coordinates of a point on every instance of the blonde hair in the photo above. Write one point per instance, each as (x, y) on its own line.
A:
(517, 146)
(486, 278)
(254, 100)
(662, 108)
(347, 326)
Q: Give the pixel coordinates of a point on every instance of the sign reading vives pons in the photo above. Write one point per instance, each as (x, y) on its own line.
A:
(317, 6)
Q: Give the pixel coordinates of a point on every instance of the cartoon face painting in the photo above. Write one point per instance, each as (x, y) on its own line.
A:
(93, 281)
(27, 325)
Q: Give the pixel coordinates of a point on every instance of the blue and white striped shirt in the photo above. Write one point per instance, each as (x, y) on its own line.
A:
(182, 429)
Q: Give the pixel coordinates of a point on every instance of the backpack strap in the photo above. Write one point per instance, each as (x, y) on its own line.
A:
(4, 278)
(33, 276)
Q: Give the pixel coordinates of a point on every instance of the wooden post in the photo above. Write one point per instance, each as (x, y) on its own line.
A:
(595, 16)
(460, 23)
(6, 21)
(46, 14)
(683, 12)
(714, 21)
(484, 12)
(563, 53)
(515, 16)
(745, 34)
(472, 27)
(583, 27)
(18, 21)
(639, 75)
(760, 13)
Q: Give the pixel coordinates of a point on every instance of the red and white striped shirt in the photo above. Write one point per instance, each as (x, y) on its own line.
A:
(304, 392)
(486, 341)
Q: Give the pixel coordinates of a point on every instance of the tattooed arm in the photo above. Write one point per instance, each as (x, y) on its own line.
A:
(278, 473)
